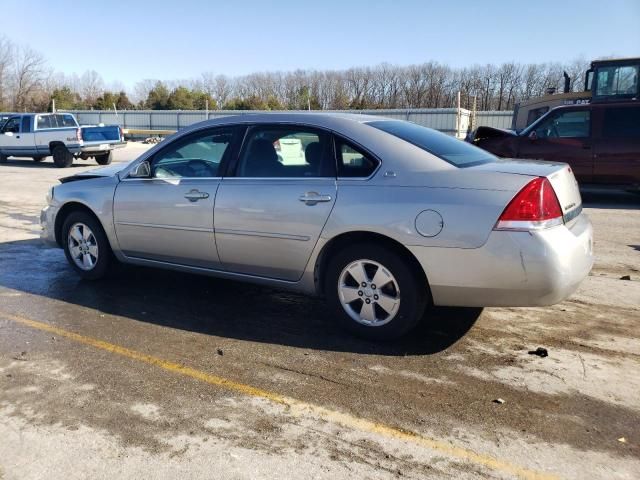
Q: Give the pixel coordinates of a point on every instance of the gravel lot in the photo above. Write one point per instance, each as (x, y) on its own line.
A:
(155, 374)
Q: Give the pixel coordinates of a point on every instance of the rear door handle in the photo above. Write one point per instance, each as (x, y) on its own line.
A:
(195, 195)
(312, 198)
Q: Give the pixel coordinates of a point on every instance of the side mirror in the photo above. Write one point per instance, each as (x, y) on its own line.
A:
(533, 135)
(142, 170)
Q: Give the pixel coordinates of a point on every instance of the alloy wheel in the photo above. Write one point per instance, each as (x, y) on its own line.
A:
(369, 293)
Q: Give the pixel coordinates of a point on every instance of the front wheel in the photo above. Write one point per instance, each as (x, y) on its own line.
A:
(104, 159)
(374, 292)
(86, 245)
(61, 156)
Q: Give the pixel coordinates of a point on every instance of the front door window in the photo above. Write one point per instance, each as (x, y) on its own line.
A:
(569, 124)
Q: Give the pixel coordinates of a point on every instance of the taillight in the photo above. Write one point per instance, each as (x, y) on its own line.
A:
(78, 134)
(276, 145)
(534, 207)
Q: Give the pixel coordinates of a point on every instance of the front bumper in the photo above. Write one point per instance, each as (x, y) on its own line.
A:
(515, 269)
(47, 225)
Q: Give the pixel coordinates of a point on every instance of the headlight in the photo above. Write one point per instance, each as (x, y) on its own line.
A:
(50, 196)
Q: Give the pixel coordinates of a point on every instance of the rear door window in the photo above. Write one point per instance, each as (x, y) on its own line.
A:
(283, 151)
(621, 123)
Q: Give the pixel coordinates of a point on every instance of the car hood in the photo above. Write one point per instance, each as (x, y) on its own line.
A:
(108, 171)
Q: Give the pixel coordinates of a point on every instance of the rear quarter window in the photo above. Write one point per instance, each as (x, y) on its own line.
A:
(353, 162)
(450, 149)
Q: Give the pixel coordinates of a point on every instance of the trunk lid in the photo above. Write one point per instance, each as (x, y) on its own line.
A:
(560, 176)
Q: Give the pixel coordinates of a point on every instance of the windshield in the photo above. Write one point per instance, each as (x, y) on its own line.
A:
(449, 149)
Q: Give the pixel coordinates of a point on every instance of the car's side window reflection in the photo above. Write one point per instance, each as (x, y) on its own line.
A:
(197, 156)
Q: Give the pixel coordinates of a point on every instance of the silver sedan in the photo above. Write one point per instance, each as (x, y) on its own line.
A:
(384, 218)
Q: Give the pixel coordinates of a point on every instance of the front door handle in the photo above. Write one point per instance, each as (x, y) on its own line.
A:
(195, 195)
(312, 198)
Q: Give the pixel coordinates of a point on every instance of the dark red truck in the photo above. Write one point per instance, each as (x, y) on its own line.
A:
(601, 142)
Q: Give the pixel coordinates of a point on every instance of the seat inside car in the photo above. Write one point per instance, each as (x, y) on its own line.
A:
(262, 160)
(313, 156)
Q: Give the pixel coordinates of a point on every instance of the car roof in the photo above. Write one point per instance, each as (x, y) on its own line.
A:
(333, 120)
(626, 103)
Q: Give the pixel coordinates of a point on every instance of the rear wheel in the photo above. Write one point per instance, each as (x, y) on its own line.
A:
(104, 159)
(62, 157)
(86, 246)
(374, 292)
(38, 158)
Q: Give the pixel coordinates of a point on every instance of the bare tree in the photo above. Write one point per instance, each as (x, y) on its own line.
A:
(91, 86)
(28, 76)
(6, 58)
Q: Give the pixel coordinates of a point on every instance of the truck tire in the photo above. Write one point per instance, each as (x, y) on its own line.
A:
(38, 158)
(104, 159)
(62, 157)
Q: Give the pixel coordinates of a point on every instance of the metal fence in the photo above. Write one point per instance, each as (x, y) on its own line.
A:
(448, 120)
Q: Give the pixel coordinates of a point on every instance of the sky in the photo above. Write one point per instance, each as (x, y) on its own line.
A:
(129, 41)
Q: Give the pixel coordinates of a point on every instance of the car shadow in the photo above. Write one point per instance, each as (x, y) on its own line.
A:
(27, 162)
(212, 306)
(610, 199)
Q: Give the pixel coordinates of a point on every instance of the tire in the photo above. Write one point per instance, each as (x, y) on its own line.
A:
(62, 157)
(91, 260)
(3, 158)
(104, 159)
(38, 159)
(404, 292)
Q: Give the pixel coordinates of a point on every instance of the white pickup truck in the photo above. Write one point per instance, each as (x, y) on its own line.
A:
(38, 135)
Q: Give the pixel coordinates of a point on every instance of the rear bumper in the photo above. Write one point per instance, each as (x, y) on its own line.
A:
(97, 147)
(516, 269)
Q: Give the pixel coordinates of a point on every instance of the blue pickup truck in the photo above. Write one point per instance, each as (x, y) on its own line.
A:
(38, 135)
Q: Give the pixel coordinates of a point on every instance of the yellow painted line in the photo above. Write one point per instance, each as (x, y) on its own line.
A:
(297, 406)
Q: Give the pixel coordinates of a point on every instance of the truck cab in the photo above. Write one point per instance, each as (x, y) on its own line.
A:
(600, 140)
